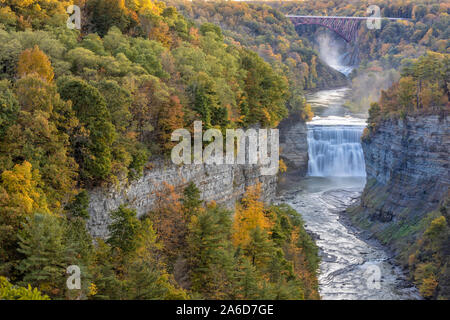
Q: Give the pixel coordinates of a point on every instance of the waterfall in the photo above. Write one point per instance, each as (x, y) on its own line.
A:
(335, 150)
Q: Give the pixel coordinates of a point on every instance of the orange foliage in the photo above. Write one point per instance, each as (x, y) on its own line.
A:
(170, 119)
(169, 220)
(34, 61)
(161, 34)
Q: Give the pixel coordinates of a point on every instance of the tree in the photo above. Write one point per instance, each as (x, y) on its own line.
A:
(34, 61)
(20, 197)
(204, 99)
(123, 230)
(93, 154)
(42, 244)
(35, 136)
(407, 93)
(265, 91)
(249, 216)
(12, 292)
(170, 118)
(9, 107)
(78, 206)
(211, 253)
(147, 277)
(108, 13)
(191, 200)
(170, 221)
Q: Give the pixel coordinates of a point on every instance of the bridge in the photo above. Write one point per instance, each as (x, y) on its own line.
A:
(346, 27)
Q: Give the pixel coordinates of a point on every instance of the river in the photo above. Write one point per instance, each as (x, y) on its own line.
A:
(352, 266)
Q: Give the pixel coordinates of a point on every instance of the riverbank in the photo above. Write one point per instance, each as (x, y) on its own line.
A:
(351, 260)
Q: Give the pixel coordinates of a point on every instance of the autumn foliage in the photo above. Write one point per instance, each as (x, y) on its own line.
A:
(35, 62)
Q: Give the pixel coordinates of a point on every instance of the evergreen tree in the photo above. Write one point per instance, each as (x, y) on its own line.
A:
(123, 230)
(211, 253)
(45, 255)
(191, 200)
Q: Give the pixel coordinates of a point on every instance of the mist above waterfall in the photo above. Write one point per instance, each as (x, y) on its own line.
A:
(334, 53)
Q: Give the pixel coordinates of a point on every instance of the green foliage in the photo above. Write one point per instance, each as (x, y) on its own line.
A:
(123, 229)
(266, 106)
(83, 109)
(423, 88)
(191, 199)
(78, 206)
(11, 292)
(45, 261)
(277, 265)
(210, 253)
(110, 13)
(9, 107)
(94, 155)
(428, 258)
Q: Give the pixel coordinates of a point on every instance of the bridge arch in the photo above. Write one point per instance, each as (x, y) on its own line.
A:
(345, 27)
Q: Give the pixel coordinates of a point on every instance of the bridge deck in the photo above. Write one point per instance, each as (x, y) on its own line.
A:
(342, 17)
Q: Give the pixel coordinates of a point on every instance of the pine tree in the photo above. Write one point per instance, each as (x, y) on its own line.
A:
(211, 253)
(191, 200)
(42, 244)
(123, 230)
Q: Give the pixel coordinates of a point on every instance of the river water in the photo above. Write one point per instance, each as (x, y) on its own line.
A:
(352, 266)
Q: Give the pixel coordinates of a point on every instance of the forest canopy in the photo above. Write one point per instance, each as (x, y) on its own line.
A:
(88, 108)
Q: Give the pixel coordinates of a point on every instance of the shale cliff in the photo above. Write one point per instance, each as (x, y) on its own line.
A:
(294, 144)
(407, 164)
(224, 184)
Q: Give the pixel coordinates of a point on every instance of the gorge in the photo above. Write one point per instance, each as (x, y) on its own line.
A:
(335, 179)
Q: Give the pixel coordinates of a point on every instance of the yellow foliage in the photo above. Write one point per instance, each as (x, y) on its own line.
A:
(428, 286)
(92, 289)
(34, 61)
(21, 185)
(307, 113)
(282, 166)
(249, 215)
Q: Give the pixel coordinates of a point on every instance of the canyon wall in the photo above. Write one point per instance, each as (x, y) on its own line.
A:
(407, 165)
(405, 203)
(294, 145)
(221, 183)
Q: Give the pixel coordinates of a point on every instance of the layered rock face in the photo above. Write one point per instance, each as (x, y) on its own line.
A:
(221, 183)
(294, 144)
(407, 164)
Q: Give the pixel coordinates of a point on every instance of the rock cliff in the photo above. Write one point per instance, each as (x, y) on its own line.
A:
(224, 184)
(407, 164)
(294, 145)
(405, 203)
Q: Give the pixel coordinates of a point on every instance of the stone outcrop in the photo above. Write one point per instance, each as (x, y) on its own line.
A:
(294, 145)
(407, 164)
(221, 183)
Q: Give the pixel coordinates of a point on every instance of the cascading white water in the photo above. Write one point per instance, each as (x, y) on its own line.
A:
(335, 150)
